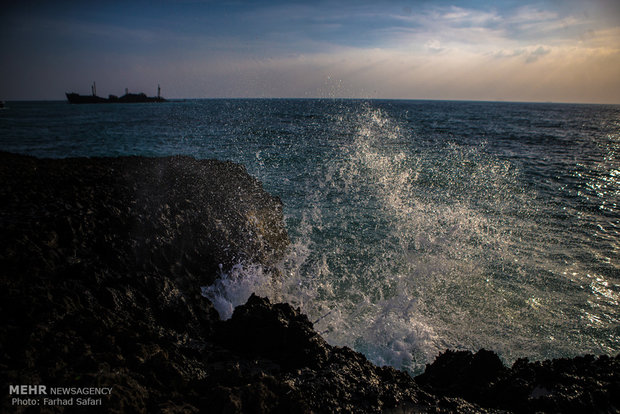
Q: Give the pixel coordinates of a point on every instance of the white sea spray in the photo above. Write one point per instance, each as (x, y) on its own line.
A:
(363, 269)
(401, 249)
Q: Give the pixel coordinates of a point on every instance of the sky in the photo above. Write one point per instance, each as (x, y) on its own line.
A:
(547, 51)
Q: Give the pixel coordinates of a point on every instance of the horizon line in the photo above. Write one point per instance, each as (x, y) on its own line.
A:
(176, 99)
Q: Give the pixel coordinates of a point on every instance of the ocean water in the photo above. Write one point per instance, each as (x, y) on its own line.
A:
(416, 226)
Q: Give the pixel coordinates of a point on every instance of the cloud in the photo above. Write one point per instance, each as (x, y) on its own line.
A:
(564, 75)
(469, 17)
(535, 54)
(529, 14)
(434, 46)
(502, 54)
(530, 54)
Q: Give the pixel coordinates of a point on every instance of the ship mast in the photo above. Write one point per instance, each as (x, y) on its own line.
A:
(94, 89)
(158, 91)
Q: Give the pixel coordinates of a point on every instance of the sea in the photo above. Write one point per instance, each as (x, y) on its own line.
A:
(415, 226)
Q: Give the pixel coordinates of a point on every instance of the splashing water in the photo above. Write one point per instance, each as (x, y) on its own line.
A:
(396, 254)
(234, 287)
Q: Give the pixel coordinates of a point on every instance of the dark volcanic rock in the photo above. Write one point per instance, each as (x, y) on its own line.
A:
(579, 385)
(463, 374)
(283, 365)
(276, 332)
(102, 263)
(175, 214)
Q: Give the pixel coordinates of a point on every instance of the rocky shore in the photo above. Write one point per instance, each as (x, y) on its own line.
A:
(102, 263)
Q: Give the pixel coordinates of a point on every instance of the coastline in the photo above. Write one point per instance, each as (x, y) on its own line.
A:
(103, 261)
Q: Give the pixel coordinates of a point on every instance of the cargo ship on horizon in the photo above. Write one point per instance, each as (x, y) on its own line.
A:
(75, 98)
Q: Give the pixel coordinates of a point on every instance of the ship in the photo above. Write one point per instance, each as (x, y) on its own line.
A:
(75, 98)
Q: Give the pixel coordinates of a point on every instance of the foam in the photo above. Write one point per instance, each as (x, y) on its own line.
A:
(233, 288)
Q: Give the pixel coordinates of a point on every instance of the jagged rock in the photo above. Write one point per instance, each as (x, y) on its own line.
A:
(281, 364)
(276, 332)
(577, 385)
(102, 263)
(463, 374)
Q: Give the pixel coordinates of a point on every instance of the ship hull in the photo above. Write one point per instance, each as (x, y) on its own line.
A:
(75, 98)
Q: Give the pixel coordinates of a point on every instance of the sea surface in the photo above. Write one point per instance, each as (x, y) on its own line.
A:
(416, 226)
